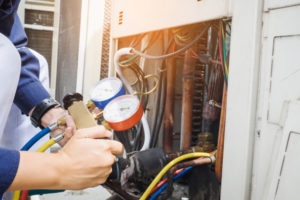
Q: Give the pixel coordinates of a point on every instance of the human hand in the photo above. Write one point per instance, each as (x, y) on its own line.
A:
(86, 162)
(55, 114)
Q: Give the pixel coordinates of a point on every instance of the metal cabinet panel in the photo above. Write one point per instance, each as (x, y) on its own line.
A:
(285, 74)
(131, 17)
(275, 4)
(288, 186)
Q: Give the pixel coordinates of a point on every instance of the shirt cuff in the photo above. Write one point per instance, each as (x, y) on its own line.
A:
(9, 163)
(29, 95)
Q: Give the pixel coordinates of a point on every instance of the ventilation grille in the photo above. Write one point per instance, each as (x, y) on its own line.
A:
(39, 17)
(40, 41)
(106, 40)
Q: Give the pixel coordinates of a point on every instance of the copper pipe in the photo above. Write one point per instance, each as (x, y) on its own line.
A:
(220, 149)
(195, 162)
(215, 62)
(187, 101)
(169, 105)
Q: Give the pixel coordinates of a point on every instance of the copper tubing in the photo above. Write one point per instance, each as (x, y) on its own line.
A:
(220, 149)
(169, 105)
(195, 162)
(187, 101)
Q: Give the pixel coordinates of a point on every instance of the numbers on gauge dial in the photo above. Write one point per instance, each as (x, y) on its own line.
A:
(106, 89)
(121, 109)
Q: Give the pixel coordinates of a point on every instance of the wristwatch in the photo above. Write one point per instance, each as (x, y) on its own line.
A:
(40, 109)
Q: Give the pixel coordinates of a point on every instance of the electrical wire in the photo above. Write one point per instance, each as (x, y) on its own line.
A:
(161, 183)
(164, 186)
(224, 48)
(167, 167)
(150, 42)
(160, 100)
(153, 89)
(146, 128)
(221, 56)
(151, 57)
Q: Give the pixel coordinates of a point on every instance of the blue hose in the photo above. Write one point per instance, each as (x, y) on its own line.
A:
(163, 187)
(36, 138)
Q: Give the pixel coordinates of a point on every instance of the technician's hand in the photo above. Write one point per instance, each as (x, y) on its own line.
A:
(52, 116)
(87, 160)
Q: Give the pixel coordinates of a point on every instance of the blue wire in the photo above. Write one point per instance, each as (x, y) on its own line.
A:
(36, 138)
(163, 187)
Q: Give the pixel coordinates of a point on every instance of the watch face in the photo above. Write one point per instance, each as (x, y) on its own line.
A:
(121, 108)
(106, 89)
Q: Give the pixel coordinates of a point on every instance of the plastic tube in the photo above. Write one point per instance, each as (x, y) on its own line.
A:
(46, 145)
(35, 138)
(163, 187)
(38, 136)
(168, 166)
(119, 53)
(16, 195)
(43, 148)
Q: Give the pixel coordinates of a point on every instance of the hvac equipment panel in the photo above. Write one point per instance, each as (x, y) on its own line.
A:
(130, 17)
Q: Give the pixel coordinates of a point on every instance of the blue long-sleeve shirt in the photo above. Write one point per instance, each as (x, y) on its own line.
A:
(9, 162)
(30, 91)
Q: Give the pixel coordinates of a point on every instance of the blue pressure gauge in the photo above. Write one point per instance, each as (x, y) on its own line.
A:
(106, 90)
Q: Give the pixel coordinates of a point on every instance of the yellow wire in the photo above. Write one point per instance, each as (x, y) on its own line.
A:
(153, 89)
(43, 148)
(167, 167)
(226, 68)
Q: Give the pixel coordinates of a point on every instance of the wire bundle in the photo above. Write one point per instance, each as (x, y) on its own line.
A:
(167, 167)
(222, 50)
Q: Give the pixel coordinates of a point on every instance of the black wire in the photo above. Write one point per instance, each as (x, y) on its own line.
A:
(161, 113)
(124, 139)
(170, 181)
(160, 101)
(137, 141)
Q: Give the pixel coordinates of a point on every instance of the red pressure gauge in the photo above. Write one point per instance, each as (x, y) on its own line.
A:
(123, 112)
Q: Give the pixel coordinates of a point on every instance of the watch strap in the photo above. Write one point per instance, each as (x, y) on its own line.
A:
(40, 109)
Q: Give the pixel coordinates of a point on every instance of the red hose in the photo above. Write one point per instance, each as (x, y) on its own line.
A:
(24, 195)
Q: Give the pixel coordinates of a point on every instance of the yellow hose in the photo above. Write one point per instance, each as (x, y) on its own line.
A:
(46, 145)
(16, 195)
(167, 167)
(43, 148)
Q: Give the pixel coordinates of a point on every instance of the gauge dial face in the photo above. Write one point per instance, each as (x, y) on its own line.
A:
(106, 89)
(121, 108)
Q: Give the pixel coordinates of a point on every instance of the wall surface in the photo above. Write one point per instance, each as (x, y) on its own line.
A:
(68, 43)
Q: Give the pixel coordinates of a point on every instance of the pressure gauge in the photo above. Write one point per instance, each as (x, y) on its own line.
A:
(106, 90)
(123, 112)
